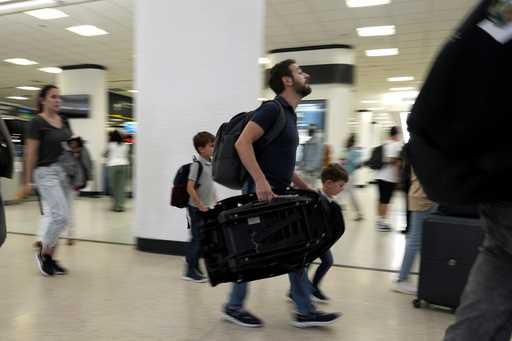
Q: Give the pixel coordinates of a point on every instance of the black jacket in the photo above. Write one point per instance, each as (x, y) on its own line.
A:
(460, 125)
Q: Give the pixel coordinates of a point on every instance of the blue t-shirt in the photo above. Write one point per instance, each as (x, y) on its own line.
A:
(277, 159)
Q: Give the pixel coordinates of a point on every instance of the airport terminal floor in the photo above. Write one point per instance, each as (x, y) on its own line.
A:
(114, 292)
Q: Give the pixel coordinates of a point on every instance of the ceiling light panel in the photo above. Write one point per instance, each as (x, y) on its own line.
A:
(47, 14)
(28, 88)
(20, 61)
(87, 30)
(366, 3)
(264, 61)
(51, 69)
(25, 4)
(18, 98)
(376, 31)
(401, 79)
(382, 52)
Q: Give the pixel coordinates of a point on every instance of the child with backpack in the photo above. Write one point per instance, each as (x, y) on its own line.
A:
(201, 190)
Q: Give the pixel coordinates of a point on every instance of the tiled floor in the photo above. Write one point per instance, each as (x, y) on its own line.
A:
(361, 246)
(93, 220)
(114, 292)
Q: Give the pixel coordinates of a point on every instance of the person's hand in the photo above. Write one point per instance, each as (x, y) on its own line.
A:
(264, 191)
(202, 208)
(25, 191)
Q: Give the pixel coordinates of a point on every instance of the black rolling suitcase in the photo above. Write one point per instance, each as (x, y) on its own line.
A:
(245, 240)
(449, 249)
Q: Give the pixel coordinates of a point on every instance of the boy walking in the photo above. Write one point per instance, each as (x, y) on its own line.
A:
(334, 178)
(202, 193)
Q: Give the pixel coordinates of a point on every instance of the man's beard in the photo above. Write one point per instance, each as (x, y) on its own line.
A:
(302, 90)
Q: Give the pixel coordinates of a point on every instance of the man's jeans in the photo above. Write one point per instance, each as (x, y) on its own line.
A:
(485, 313)
(300, 286)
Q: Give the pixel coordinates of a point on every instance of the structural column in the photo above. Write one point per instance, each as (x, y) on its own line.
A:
(89, 79)
(196, 66)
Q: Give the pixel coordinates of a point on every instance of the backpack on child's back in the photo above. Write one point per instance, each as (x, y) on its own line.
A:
(179, 194)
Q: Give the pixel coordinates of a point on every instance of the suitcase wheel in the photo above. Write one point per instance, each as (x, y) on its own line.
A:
(416, 303)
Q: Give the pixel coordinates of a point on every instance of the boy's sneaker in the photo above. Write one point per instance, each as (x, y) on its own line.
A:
(319, 297)
(242, 318)
(193, 276)
(45, 265)
(404, 287)
(315, 319)
(383, 227)
(58, 270)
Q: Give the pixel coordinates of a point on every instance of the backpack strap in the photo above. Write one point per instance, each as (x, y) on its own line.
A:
(199, 171)
(277, 128)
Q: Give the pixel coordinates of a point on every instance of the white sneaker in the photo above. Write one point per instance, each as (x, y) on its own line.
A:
(404, 287)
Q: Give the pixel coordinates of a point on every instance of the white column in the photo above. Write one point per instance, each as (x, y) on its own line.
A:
(196, 66)
(365, 174)
(89, 80)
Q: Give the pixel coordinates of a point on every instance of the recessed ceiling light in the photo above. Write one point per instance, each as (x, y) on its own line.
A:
(366, 3)
(382, 52)
(375, 31)
(47, 13)
(20, 61)
(133, 91)
(51, 69)
(375, 109)
(263, 61)
(405, 88)
(400, 79)
(87, 30)
(18, 98)
(367, 101)
(28, 88)
(25, 4)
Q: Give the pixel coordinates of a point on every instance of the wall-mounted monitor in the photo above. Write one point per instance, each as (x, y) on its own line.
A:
(75, 106)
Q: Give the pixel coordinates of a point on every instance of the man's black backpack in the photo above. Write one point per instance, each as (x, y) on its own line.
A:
(227, 169)
(179, 194)
(376, 160)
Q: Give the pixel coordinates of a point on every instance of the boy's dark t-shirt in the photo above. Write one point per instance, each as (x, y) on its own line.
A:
(277, 159)
(50, 139)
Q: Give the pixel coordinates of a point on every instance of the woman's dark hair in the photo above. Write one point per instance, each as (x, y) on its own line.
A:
(42, 95)
(280, 70)
(351, 141)
(115, 136)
